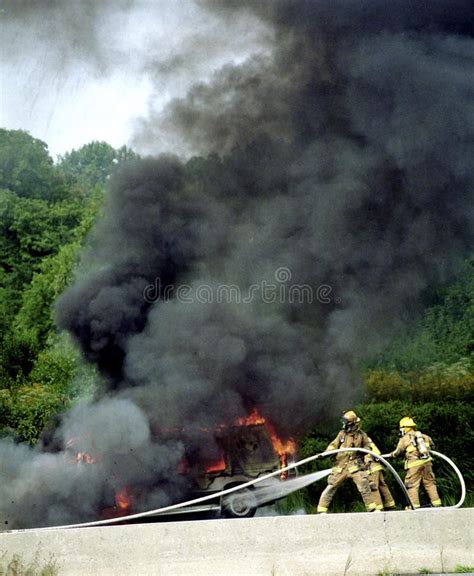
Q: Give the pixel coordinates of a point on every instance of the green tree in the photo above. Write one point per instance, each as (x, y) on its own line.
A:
(26, 167)
(44, 216)
(93, 163)
(35, 316)
(32, 229)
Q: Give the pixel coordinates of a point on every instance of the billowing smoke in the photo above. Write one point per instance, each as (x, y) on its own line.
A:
(64, 33)
(333, 187)
(47, 489)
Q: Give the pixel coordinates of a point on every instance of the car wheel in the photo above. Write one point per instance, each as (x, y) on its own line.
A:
(240, 504)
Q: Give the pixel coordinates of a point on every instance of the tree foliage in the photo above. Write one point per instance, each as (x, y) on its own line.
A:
(444, 334)
(93, 163)
(45, 214)
(439, 381)
(34, 317)
(40, 209)
(26, 169)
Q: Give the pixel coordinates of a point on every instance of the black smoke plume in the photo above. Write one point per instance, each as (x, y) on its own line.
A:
(338, 163)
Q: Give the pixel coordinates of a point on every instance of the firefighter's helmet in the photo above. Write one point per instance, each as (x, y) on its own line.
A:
(407, 422)
(350, 420)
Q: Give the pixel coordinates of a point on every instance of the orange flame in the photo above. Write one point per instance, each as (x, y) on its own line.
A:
(217, 466)
(281, 448)
(283, 464)
(84, 457)
(253, 418)
(123, 499)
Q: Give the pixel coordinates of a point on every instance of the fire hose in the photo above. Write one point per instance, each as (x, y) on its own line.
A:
(227, 491)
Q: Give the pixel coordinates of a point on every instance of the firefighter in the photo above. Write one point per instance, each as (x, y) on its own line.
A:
(416, 448)
(380, 491)
(349, 465)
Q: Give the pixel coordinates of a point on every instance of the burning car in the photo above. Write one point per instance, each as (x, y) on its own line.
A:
(248, 450)
(247, 453)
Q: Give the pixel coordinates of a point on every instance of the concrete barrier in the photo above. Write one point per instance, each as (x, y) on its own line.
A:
(353, 544)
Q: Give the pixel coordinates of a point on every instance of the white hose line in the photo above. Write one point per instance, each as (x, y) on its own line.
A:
(461, 481)
(246, 485)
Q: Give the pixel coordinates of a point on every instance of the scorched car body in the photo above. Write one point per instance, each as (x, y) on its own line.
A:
(247, 453)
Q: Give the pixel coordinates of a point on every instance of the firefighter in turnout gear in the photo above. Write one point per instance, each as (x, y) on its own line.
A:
(380, 491)
(349, 465)
(416, 448)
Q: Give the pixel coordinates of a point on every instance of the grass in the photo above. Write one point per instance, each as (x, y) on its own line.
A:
(17, 567)
(450, 500)
(294, 502)
(348, 564)
(459, 569)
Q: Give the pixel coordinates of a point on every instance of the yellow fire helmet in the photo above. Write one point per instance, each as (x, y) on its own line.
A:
(407, 422)
(351, 416)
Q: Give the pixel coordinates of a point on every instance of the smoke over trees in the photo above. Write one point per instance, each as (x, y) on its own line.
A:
(334, 163)
(340, 157)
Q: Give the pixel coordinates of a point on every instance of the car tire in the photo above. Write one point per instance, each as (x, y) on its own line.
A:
(240, 504)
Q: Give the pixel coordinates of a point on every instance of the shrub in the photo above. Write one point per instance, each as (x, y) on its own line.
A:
(438, 381)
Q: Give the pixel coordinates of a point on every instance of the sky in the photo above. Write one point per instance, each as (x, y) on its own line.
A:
(76, 71)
